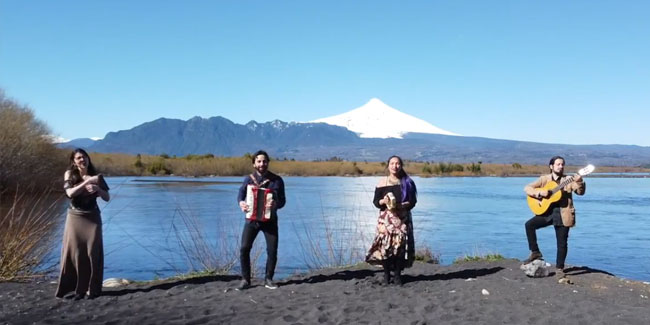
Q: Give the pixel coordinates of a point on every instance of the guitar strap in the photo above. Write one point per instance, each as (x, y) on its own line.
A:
(262, 184)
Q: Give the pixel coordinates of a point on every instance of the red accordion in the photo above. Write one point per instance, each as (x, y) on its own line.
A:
(256, 199)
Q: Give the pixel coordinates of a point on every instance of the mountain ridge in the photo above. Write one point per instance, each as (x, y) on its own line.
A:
(312, 141)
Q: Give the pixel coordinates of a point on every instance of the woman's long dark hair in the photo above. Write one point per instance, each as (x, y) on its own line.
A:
(75, 176)
(406, 183)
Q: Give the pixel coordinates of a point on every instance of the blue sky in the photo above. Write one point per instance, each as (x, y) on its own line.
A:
(574, 72)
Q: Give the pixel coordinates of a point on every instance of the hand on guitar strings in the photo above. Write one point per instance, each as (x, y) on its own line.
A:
(543, 193)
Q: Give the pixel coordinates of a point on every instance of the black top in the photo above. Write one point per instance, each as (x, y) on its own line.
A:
(275, 184)
(554, 211)
(85, 201)
(380, 192)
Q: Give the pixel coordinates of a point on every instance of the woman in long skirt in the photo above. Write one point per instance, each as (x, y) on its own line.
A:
(393, 246)
(82, 253)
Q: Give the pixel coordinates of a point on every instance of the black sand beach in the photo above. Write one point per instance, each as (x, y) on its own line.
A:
(431, 294)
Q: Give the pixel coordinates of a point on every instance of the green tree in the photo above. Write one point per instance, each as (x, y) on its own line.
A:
(138, 163)
(475, 168)
(158, 167)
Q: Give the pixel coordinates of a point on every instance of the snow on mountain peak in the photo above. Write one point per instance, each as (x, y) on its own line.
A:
(378, 120)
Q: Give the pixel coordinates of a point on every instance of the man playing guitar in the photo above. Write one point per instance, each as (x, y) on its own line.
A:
(560, 214)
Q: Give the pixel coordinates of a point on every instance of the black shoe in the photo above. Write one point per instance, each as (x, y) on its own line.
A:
(78, 296)
(533, 256)
(386, 278)
(92, 296)
(243, 285)
(269, 284)
(397, 280)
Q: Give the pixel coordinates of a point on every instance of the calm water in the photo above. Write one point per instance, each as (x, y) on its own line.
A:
(454, 216)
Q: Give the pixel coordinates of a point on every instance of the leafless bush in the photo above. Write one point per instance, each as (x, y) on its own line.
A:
(27, 154)
(219, 256)
(424, 254)
(342, 243)
(28, 227)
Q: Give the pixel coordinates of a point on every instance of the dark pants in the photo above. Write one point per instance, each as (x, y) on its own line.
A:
(251, 229)
(561, 235)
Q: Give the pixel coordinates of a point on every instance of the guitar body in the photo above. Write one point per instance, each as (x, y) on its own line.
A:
(540, 206)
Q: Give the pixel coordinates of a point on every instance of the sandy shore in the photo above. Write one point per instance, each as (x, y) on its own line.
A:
(431, 294)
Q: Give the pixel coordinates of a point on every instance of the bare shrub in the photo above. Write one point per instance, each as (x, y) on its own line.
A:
(27, 154)
(28, 227)
(424, 254)
(342, 244)
(201, 254)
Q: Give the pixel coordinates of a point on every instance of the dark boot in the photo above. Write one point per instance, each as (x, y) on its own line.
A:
(534, 255)
(243, 285)
(386, 273)
(398, 278)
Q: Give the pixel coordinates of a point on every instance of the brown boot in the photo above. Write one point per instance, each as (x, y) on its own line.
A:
(533, 256)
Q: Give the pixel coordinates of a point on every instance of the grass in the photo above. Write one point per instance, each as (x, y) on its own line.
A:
(490, 257)
(424, 254)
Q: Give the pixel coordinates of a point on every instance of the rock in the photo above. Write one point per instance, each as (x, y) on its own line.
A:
(536, 269)
(115, 282)
(485, 292)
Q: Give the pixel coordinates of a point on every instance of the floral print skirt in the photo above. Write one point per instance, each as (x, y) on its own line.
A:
(390, 240)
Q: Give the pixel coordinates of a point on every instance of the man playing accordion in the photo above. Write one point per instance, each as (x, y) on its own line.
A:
(260, 196)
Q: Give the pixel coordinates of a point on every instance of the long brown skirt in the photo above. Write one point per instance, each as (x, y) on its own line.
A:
(82, 254)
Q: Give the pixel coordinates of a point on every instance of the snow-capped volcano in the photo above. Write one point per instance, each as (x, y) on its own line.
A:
(378, 120)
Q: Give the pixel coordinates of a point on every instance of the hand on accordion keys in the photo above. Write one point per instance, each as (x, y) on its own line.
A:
(244, 207)
(270, 204)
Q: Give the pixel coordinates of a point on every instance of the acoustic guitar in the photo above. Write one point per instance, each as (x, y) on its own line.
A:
(539, 206)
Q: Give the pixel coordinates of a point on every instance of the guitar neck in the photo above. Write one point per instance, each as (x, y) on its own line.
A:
(562, 185)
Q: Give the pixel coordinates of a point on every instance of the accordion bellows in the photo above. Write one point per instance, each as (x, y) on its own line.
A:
(256, 199)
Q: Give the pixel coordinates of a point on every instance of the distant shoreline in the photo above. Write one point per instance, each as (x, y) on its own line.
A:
(209, 165)
(622, 175)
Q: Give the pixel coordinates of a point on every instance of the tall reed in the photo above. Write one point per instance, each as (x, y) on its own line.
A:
(28, 228)
(342, 243)
(201, 253)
